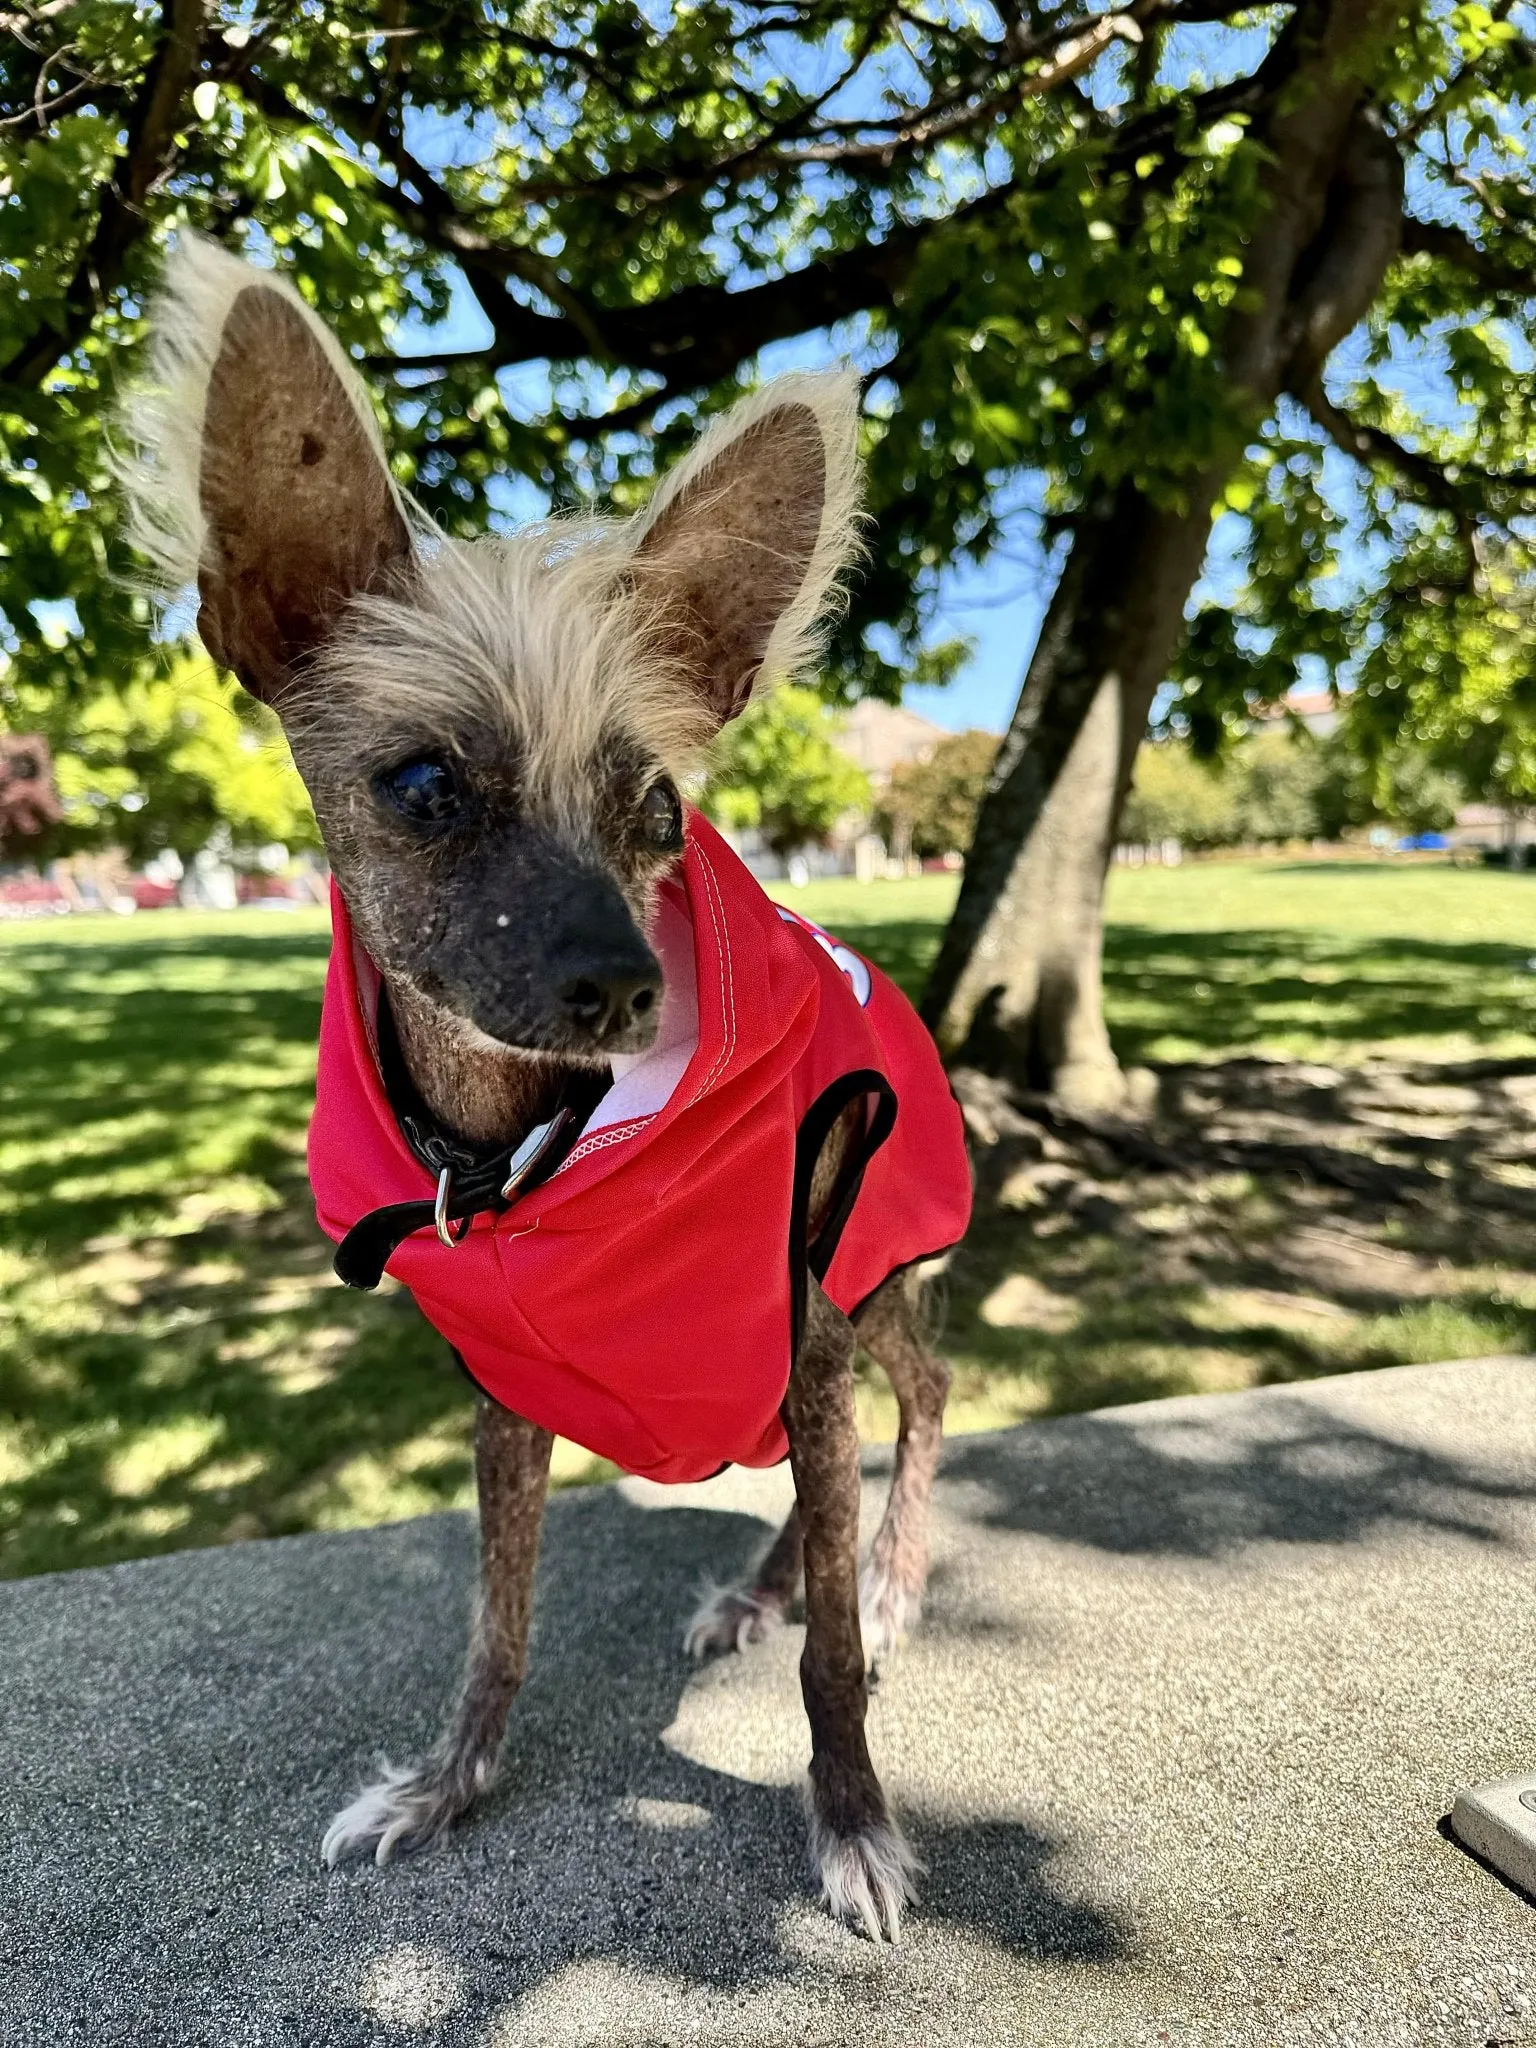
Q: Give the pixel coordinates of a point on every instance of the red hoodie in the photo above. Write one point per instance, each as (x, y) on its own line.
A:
(646, 1299)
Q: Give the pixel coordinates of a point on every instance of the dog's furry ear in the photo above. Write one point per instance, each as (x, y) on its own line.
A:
(256, 469)
(743, 545)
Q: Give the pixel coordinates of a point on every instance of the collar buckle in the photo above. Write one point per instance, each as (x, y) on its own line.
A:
(531, 1151)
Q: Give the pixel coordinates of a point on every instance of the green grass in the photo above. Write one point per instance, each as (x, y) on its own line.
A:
(1318, 959)
(178, 1366)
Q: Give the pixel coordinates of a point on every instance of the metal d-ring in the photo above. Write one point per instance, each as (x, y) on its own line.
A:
(440, 1210)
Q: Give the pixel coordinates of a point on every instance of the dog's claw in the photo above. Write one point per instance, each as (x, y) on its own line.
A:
(730, 1618)
(866, 1878)
(406, 1810)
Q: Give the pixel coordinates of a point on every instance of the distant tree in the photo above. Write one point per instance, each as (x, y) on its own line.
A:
(1264, 788)
(1339, 784)
(934, 802)
(1405, 785)
(1278, 777)
(1178, 797)
(779, 769)
(161, 763)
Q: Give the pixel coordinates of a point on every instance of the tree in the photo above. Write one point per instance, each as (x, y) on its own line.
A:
(1278, 778)
(1100, 265)
(778, 770)
(1307, 217)
(1177, 797)
(934, 802)
(161, 762)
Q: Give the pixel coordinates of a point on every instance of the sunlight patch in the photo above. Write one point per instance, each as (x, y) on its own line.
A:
(411, 1987)
(162, 1453)
(224, 1473)
(670, 1816)
(1021, 1303)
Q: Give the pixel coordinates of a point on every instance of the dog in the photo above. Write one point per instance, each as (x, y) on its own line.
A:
(653, 1155)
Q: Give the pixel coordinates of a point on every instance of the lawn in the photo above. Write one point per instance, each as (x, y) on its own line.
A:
(1317, 959)
(177, 1365)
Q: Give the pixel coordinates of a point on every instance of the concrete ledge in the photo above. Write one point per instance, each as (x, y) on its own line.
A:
(1198, 1682)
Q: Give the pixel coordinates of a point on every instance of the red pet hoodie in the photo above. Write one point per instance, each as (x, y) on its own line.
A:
(646, 1299)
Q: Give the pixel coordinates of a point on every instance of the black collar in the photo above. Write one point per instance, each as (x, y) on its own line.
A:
(471, 1176)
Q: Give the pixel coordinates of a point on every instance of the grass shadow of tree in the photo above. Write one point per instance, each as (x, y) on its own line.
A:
(1211, 992)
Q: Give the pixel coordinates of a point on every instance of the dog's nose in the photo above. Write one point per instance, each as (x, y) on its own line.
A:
(612, 999)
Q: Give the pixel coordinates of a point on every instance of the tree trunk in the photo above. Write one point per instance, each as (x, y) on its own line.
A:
(1016, 987)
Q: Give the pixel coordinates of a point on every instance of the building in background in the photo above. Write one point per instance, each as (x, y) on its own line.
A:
(878, 738)
(882, 737)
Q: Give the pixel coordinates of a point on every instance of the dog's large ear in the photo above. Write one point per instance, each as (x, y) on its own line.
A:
(256, 469)
(742, 547)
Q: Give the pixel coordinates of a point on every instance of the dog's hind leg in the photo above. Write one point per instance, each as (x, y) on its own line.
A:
(891, 1587)
(858, 1852)
(414, 1806)
(730, 1617)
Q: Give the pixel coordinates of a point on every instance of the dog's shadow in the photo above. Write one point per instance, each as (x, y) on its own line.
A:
(173, 1864)
(602, 1839)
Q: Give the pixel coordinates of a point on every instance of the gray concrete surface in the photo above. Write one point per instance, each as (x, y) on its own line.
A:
(1198, 1682)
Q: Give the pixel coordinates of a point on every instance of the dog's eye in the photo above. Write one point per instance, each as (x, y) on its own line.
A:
(423, 790)
(661, 818)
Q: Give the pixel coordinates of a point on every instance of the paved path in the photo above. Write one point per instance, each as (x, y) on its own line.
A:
(1198, 1682)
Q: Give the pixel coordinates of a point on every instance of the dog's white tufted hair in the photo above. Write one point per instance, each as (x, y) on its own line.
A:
(160, 451)
(553, 635)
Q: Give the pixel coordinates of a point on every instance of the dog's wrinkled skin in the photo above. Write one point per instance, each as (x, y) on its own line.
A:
(490, 733)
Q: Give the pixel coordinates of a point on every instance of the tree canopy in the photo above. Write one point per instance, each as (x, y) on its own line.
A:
(1105, 271)
(1032, 224)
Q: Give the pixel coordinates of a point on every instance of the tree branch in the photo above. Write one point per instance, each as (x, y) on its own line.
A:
(1425, 478)
(1451, 245)
(145, 158)
(703, 332)
(1074, 55)
(1072, 45)
(1449, 487)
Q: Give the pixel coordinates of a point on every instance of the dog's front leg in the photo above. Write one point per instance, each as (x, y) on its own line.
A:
(858, 1852)
(414, 1806)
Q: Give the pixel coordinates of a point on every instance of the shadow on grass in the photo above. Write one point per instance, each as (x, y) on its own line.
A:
(1215, 991)
(177, 1364)
(1229, 990)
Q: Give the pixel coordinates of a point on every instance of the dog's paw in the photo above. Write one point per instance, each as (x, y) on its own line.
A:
(406, 1810)
(729, 1618)
(888, 1611)
(866, 1878)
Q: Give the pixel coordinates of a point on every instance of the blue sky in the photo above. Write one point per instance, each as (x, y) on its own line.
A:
(998, 606)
